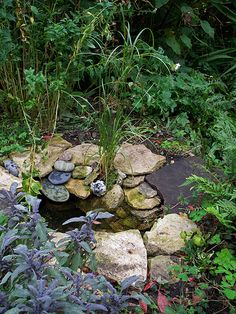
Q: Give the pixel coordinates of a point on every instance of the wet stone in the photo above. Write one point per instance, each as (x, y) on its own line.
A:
(59, 177)
(56, 193)
(169, 179)
(66, 166)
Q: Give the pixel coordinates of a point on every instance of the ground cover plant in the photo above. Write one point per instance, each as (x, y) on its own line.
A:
(100, 65)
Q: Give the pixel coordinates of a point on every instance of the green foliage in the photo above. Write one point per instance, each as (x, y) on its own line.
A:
(218, 199)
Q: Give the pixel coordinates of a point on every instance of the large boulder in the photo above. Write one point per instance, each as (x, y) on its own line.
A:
(6, 179)
(121, 255)
(164, 237)
(85, 154)
(137, 160)
(138, 201)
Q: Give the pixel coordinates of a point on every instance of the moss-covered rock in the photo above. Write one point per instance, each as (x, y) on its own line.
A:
(138, 201)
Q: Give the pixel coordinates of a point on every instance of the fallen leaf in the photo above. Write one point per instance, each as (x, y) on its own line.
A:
(162, 302)
(149, 285)
(143, 306)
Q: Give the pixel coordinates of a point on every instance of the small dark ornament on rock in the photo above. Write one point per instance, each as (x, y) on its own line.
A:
(11, 167)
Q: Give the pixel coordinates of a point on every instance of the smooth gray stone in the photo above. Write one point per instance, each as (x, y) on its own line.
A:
(56, 193)
(65, 166)
(59, 177)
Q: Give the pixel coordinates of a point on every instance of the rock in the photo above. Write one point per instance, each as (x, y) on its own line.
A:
(78, 188)
(121, 212)
(23, 160)
(81, 172)
(137, 160)
(130, 222)
(66, 156)
(85, 154)
(65, 166)
(168, 180)
(56, 193)
(147, 191)
(50, 154)
(59, 177)
(131, 181)
(120, 177)
(159, 267)
(98, 188)
(138, 201)
(146, 214)
(6, 179)
(11, 167)
(121, 255)
(91, 177)
(164, 237)
(43, 161)
(114, 197)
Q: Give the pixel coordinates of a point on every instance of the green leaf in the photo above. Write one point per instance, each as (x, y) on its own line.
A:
(160, 3)
(215, 239)
(34, 10)
(76, 262)
(186, 40)
(207, 28)
(173, 44)
(183, 277)
(230, 294)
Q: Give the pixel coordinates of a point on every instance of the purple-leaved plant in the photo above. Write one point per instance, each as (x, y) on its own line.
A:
(30, 262)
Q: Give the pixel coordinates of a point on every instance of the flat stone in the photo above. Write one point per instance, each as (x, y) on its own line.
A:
(6, 179)
(131, 181)
(137, 159)
(159, 267)
(147, 191)
(59, 177)
(85, 154)
(56, 193)
(146, 214)
(44, 160)
(138, 201)
(65, 166)
(78, 188)
(50, 154)
(81, 172)
(66, 156)
(121, 255)
(113, 198)
(168, 180)
(164, 237)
